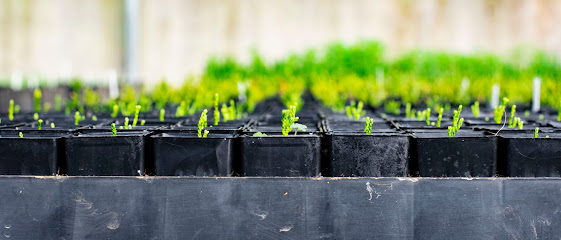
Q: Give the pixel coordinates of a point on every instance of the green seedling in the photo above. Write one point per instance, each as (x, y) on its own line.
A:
(546, 136)
(475, 109)
(368, 125)
(47, 107)
(499, 111)
(58, 103)
(37, 100)
(142, 122)
(94, 118)
(408, 111)
(421, 115)
(20, 135)
(393, 107)
(136, 112)
(520, 123)
(35, 116)
(288, 118)
(439, 120)
(259, 134)
(355, 111)
(299, 127)
(527, 113)
(126, 123)
(486, 119)
(536, 132)
(162, 114)
(39, 124)
(232, 110)
(205, 133)
(113, 129)
(52, 125)
(115, 112)
(216, 110)
(541, 117)
(456, 122)
(11, 110)
(348, 111)
(180, 111)
(427, 117)
(77, 118)
(202, 124)
(121, 128)
(512, 119)
(225, 112)
(17, 108)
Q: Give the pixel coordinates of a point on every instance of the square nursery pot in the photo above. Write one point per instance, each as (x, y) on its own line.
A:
(468, 154)
(102, 154)
(278, 156)
(374, 155)
(185, 154)
(526, 156)
(34, 154)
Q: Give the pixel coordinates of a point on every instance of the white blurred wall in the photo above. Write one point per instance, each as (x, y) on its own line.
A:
(176, 37)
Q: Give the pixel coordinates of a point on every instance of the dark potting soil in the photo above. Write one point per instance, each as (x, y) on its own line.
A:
(526, 156)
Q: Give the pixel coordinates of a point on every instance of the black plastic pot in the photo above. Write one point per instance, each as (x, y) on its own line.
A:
(185, 154)
(374, 155)
(468, 154)
(526, 156)
(102, 154)
(34, 154)
(278, 156)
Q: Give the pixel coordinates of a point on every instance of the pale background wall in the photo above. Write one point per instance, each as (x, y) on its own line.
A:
(176, 37)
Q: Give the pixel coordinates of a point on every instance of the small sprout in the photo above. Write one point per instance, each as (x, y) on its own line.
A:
(348, 112)
(486, 119)
(475, 109)
(299, 127)
(439, 117)
(546, 136)
(126, 122)
(427, 116)
(512, 119)
(408, 111)
(58, 103)
(202, 123)
(259, 134)
(115, 112)
(456, 122)
(142, 122)
(499, 111)
(136, 112)
(421, 115)
(39, 124)
(432, 124)
(225, 112)
(180, 111)
(288, 118)
(368, 125)
(393, 107)
(47, 107)
(520, 123)
(527, 113)
(162, 114)
(232, 110)
(205, 133)
(113, 129)
(37, 100)
(11, 110)
(216, 110)
(355, 111)
(16, 109)
(52, 125)
(120, 127)
(20, 135)
(541, 117)
(77, 118)
(35, 116)
(94, 118)
(536, 132)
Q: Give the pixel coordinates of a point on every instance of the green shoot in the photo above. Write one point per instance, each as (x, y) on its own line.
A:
(39, 124)
(35, 116)
(421, 115)
(393, 107)
(58, 103)
(456, 122)
(499, 111)
(77, 118)
(94, 118)
(180, 112)
(115, 111)
(527, 113)
(205, 133)
(47, 107)
(142, 122)
(136, 112)
(348, 111)
(512, 119)
(16, 109)
(11, 110)
(408, 110)
(520, 123)
(355, 111)
(121, 127)
(52, 125)
(216, 110)
(541, 117)
(225, 112)
(486, 119)
(113, 129)
(299, 126)
(20, 135)
(37, 100)
(536, 132)
(546, 136)
(232, 110)
(126, 123)
(288, 118)
(368, 125)
(259, 134)
(475, 109)
(439, 117)
(162, 114)
(202, 123)
(427, 116)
